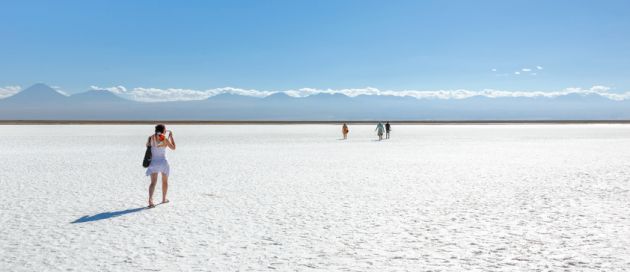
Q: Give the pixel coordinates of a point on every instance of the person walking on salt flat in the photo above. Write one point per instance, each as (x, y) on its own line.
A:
(379, 130)
(158, 143)
(344, 131)
(388, 128)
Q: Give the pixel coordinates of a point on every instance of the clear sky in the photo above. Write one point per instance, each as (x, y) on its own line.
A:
(281, 45)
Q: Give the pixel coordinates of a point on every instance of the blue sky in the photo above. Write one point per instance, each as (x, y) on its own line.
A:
(282, 45)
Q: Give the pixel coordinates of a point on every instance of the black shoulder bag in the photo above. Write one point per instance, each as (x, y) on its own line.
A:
(147, 155)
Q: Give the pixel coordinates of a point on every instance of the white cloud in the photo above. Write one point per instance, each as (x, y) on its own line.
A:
(526, 70)
(494, 69)
(175, 94)
(115, 89)
(533, 74)
(9, 91)
(517, 73)
(539, 67)
(59, 90)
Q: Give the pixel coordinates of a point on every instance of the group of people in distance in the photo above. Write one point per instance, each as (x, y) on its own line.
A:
(163, 139)
(380, 128)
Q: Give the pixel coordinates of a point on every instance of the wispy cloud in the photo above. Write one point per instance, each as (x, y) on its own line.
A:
(60, 90)
(528, 71)
(519, 71)
(115, 89)
(175, 94)
(9, 91)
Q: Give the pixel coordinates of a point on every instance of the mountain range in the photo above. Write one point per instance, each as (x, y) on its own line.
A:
(41, 102)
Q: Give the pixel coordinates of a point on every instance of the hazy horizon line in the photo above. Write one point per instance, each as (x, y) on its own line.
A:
(141, 94)
(305, 122)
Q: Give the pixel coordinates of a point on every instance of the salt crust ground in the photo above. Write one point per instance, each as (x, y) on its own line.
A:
(295, 197)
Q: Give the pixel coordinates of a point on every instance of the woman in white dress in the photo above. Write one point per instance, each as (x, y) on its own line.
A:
(159, 164)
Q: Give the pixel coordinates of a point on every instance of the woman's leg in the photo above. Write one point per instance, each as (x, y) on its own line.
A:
(164, 188)
(152, 188)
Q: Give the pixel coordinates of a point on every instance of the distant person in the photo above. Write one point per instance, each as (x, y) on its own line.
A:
(344, 131)
(379, 130)
(158, 143)
(388, 128)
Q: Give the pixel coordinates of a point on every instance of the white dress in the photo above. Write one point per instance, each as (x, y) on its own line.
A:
(159, 164)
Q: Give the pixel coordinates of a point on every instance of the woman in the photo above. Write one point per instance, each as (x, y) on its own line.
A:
(344, 131)
(379, 130)
(158, 143)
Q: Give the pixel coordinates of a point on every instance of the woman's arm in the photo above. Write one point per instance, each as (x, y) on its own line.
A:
(171, 141)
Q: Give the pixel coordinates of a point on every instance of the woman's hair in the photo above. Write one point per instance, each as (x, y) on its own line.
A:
(160, 128)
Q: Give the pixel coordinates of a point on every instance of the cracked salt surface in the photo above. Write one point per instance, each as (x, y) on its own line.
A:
(294, 197)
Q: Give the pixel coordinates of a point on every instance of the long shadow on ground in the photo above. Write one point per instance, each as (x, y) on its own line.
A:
(106, 215)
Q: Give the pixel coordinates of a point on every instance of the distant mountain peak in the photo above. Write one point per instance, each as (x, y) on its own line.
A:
(279, 96)
(229, 95)
(43, 102)
(40, 85)
(328, 96)
(39, 92)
